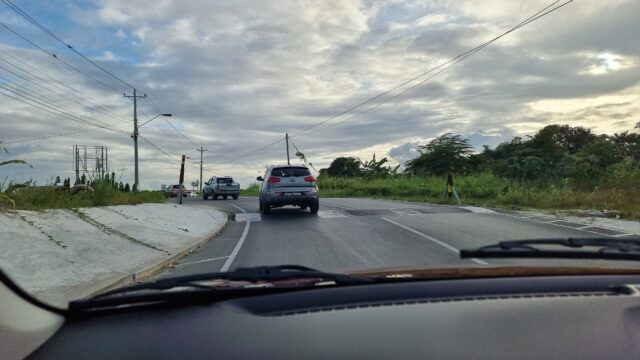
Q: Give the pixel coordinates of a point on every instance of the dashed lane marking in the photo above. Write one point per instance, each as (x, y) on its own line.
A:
(247, 217)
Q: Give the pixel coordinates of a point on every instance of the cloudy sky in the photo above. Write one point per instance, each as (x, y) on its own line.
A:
(238, 75)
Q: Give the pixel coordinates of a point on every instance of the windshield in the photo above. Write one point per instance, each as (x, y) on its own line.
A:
(358, 136)
(290, 171)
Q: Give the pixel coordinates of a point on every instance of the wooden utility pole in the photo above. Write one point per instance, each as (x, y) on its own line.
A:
(181, 178)
(201, 156)
(286, 136)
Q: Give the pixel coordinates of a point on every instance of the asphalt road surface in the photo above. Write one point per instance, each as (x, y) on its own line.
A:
(357, 234)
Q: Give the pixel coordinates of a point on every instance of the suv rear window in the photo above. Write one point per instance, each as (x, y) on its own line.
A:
(290, 171)
(225, 180)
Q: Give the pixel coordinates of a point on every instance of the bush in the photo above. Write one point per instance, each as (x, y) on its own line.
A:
(51, 197)
(252, 190)
(485, 189)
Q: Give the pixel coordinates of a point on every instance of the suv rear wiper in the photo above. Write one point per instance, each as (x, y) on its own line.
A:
(135, 294)
(586, 248)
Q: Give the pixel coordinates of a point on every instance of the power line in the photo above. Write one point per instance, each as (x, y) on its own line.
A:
(59, 59)
(29, 96)
(28, 80)
(464, 55)
(304, 158)
(451, 61)
(171, 124)
(152, 103)
(169, 137)
(49, 100)
(71, 90)
(163, 148)
(48, 32)
(26, 93)
(56, 112)
(52, 136)
(254, 151)
(158, 148)
(171, 149)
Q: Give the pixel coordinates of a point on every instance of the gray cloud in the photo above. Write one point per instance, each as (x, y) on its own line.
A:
(237, 76)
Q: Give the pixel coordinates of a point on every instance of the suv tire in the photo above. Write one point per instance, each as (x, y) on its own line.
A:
(314, 207)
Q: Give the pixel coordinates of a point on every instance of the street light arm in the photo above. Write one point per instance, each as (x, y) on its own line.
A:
(168, 115)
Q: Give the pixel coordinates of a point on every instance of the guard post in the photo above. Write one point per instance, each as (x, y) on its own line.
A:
(451, 190)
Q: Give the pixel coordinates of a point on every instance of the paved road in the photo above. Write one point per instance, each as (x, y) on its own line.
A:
(356, 234)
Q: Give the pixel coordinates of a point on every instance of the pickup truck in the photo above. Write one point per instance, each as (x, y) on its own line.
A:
(174, 191)
(220, 186)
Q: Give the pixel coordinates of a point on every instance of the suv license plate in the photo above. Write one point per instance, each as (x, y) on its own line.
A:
(292, 194)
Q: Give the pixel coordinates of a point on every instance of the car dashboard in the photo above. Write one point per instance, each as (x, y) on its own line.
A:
(559, 317)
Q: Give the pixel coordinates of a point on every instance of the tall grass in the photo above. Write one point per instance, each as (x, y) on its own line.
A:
(51, 197)
(620, 191)
(252, 190)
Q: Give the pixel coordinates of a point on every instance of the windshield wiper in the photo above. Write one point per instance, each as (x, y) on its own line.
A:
(143, 293)
(585, 248)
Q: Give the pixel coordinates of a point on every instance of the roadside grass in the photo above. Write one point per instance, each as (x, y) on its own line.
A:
(252, 190)
(489, 190)
(51, 197)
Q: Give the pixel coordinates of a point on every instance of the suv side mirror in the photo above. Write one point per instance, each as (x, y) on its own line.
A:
(259, 178)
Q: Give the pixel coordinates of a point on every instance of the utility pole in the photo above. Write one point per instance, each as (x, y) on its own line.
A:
(201, 153)
(135, 134)
(181, 178)
(77, 155)
(286, 136)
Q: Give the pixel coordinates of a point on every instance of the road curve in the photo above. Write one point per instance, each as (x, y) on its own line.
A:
(355, 234)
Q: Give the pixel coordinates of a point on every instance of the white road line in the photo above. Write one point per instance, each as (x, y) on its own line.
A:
(620, 235)
(234, 253)
(441, 243)
(336, 206)
(238, 207)
(564, 226)
(201, 261)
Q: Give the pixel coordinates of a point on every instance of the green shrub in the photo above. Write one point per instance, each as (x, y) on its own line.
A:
(252, 190)
(618, 191)
(51, 197)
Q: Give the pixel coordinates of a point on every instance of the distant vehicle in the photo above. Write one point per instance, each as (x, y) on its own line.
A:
(288, 185)
(174, 191)
(220, 186)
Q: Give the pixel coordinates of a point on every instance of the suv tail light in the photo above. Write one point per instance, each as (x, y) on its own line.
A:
(310, 179)
(273, 179)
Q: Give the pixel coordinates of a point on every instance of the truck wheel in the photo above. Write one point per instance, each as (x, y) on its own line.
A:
(260, 205)
(224, 197)
(314, 207)
(235, 197)
(205, 196)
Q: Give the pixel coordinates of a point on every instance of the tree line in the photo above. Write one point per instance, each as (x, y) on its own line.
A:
(555, 152)
(109, 180)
